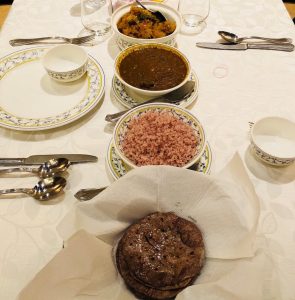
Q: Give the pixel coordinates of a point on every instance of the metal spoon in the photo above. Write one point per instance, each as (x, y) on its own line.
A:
(43, 190)
(47, 169)
(173, 97)
(87, 194)
(233, 38)
(157, 14)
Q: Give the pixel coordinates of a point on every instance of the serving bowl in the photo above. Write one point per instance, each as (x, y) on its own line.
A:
(145, 140)
(125, 41)
(273, 140)
(144, 65)
(65, 63)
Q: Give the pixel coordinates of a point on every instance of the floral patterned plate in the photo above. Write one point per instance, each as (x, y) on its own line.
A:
(118, 167)
(129, 101)
(31, 101)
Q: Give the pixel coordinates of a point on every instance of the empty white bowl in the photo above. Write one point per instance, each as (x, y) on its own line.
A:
(65, 63)
(273, 140)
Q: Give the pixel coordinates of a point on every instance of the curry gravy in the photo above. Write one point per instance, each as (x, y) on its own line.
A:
(153, 69)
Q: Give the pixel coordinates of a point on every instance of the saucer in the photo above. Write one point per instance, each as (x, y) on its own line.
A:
(119, 168)
(123, 96)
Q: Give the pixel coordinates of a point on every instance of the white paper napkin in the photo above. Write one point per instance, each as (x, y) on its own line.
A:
(225, 207)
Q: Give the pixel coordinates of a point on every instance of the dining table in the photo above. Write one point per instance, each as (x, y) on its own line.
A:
(235, 88)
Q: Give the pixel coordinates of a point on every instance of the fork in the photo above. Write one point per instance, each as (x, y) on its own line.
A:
(51, 39)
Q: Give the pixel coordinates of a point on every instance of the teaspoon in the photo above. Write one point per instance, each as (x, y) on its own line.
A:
(47, 169)
(43, 190)
(157, 14)
(233, 38)
(87, 194)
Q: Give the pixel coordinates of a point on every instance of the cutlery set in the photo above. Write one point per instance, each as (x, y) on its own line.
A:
(233, 42)
(49, 170)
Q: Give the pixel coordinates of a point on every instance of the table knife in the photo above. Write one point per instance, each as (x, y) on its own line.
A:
(39, 159)
(244, 46)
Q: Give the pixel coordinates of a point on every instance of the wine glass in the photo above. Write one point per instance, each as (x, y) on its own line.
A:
(194, 14)
(95, 17)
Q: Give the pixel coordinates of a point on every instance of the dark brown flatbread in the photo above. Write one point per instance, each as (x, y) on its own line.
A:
(160, 255)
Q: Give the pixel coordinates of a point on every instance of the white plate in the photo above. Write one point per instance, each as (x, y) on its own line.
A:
(31, 100)
(129, 100)
(118, 168)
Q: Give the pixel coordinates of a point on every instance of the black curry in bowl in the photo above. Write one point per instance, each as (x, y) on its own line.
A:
(152, 69)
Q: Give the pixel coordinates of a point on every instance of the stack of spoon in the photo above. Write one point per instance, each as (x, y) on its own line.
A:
(51, 183)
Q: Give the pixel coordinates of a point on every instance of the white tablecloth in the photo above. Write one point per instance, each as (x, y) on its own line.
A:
(235, 87)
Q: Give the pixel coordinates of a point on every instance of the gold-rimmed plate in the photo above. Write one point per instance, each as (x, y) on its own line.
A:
(129, 99)
(118, 168)
(31, 101)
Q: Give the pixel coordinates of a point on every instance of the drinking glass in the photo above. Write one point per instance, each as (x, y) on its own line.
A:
(194, 14)
(95, 17)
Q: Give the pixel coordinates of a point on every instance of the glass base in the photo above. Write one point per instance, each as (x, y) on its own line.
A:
(102, 32)
(192, 24)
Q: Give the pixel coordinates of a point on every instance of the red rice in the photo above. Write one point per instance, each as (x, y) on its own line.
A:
(159, 138)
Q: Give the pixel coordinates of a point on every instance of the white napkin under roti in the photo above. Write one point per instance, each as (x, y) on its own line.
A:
(225, 207)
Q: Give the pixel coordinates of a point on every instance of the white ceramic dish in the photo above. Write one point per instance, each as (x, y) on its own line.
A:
(118, 168)
(125, 41)
(65, 63)
(273, 140)
(129, 100)
(178, 112)
(151, 93)
(48, 103)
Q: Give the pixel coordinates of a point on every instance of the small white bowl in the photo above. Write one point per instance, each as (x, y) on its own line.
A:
(180, 113)
(65, 63)
(125, 41)
(273, 140)
(144, 92)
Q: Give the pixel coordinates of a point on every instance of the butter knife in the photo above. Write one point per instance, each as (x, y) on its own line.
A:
(39, 159)
(244, 46)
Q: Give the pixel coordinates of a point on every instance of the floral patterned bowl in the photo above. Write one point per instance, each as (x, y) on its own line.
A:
(123, 125)
(125, 41)
(273, 141)
(65, 63)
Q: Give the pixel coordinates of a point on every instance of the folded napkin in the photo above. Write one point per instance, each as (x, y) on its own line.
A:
(225, 208)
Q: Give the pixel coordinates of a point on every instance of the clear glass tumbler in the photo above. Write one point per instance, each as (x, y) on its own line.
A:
(194, 14)
(95, 17)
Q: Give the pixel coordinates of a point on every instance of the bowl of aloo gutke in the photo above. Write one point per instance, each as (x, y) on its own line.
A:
(152, 70)
(132, 24)
(159, 134)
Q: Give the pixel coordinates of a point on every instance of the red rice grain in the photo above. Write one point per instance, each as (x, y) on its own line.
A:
(159, 138)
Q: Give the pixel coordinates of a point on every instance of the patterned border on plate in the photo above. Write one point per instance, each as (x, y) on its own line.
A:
(119, 168)
(129, 102)
(95, 90)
